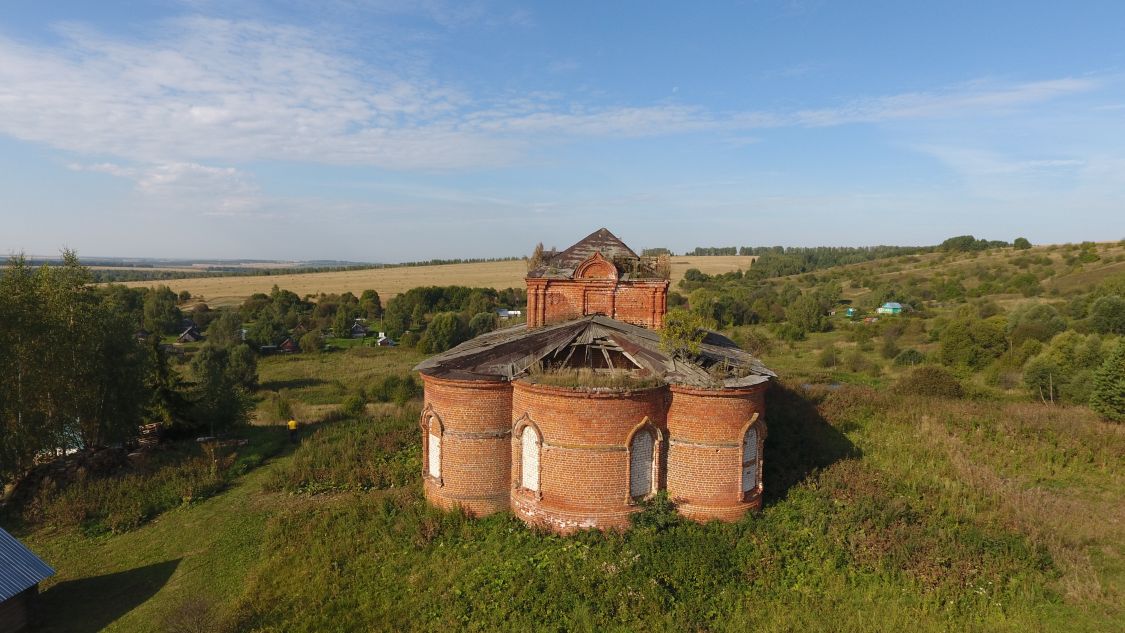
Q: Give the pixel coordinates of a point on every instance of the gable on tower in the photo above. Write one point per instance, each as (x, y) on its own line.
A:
(599, 274)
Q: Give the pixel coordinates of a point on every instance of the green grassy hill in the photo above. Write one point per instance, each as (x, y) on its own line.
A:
(885, 510)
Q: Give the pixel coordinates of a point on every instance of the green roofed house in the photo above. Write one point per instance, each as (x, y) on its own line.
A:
(21, 571)
(890, 307)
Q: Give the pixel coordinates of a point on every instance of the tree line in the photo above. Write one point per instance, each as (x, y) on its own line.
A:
(74, 374)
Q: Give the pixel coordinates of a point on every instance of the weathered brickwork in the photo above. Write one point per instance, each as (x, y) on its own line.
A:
(641, 302)
(584, 450)
(474, 419)
(584, 458)
(705, 454)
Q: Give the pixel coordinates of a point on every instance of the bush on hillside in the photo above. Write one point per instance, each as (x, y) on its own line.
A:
(1107, 315)
(1108, 397)
(399, 389)
(930, 380)
(828, 357)
(312, 343)
(909, 357)
(858, 362)
(353, 406)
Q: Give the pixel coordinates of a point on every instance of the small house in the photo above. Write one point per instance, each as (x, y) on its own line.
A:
(358, 330)
(890, 307)
(21, 571)
(190, 335)
(508, 314)
(850, 312)
(142, 335)
(288, 346)
(384, 341)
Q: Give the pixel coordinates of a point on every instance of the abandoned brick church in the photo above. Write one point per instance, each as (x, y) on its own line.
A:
(573, 419)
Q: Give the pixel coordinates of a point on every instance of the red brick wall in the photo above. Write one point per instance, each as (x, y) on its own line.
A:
(584, 478)
(705, 450)
(475, 455)
(641, 303)
(584, 459)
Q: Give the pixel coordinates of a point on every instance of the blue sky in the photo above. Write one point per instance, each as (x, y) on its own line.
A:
(390, 130)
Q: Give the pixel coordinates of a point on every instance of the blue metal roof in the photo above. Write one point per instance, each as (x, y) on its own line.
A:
(892, 304)
(20, 568)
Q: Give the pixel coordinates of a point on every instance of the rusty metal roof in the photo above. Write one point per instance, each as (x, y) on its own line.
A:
(20, 568)
(563, 263)
(510, 353)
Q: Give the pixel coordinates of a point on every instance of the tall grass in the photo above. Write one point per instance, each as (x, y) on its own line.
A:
(354, 454)
(179, 475)
(883, 513)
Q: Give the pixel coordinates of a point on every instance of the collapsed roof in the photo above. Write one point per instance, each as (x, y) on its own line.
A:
(600, 343)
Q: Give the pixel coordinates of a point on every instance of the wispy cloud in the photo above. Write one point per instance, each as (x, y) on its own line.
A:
(203, 91)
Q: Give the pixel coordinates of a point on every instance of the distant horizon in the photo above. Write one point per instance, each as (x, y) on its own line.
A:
(676, 253)
(380, 130)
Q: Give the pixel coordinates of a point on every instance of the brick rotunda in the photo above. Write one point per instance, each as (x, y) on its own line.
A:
(573, 419)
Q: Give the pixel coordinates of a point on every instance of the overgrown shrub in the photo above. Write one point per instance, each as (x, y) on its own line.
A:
(828, 357)
(353, 455)
(858, 362)
(930, 380)
(353, 406)
(396, 388)
(1108, 397)
(125, 501)
(908, 357)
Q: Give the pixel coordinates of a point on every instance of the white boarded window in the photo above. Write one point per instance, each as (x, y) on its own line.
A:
(750, 460)
(435, 454)
(641, 452)
(529, 464)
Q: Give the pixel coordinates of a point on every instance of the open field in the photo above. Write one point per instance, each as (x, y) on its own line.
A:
(388, 282)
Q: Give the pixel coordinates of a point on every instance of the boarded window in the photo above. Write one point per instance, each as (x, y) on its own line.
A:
(641, 452)
(529, 465)
(750, 460)
(435, 455)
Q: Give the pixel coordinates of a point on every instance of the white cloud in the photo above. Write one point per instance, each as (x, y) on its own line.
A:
(205, 90)
(978, 162)
(180, 186)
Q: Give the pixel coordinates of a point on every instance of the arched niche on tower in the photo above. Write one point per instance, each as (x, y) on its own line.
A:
(596, 267)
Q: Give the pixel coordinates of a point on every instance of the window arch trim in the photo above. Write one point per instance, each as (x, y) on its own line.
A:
(428, 419)
(522, 423)
(657, 435)
(757, 425)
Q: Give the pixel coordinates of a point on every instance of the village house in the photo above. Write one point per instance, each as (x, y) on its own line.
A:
(288, 346)
(21, 571)
(890, 307)
(190, 335)
(499, 433)
(358, 330)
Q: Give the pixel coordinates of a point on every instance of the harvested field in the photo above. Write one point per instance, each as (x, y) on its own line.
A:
(388, 282)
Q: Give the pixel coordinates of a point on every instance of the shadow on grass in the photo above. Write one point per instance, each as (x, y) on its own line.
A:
(800, 441)
(295, 383)
(91, 604)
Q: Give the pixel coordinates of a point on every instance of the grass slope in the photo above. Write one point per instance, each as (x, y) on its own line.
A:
(138, 580)
(884, 513)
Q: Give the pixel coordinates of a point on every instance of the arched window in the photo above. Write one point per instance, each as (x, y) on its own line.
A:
(529, 458)
(750, 460)
(434, 445)
(642, 452)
